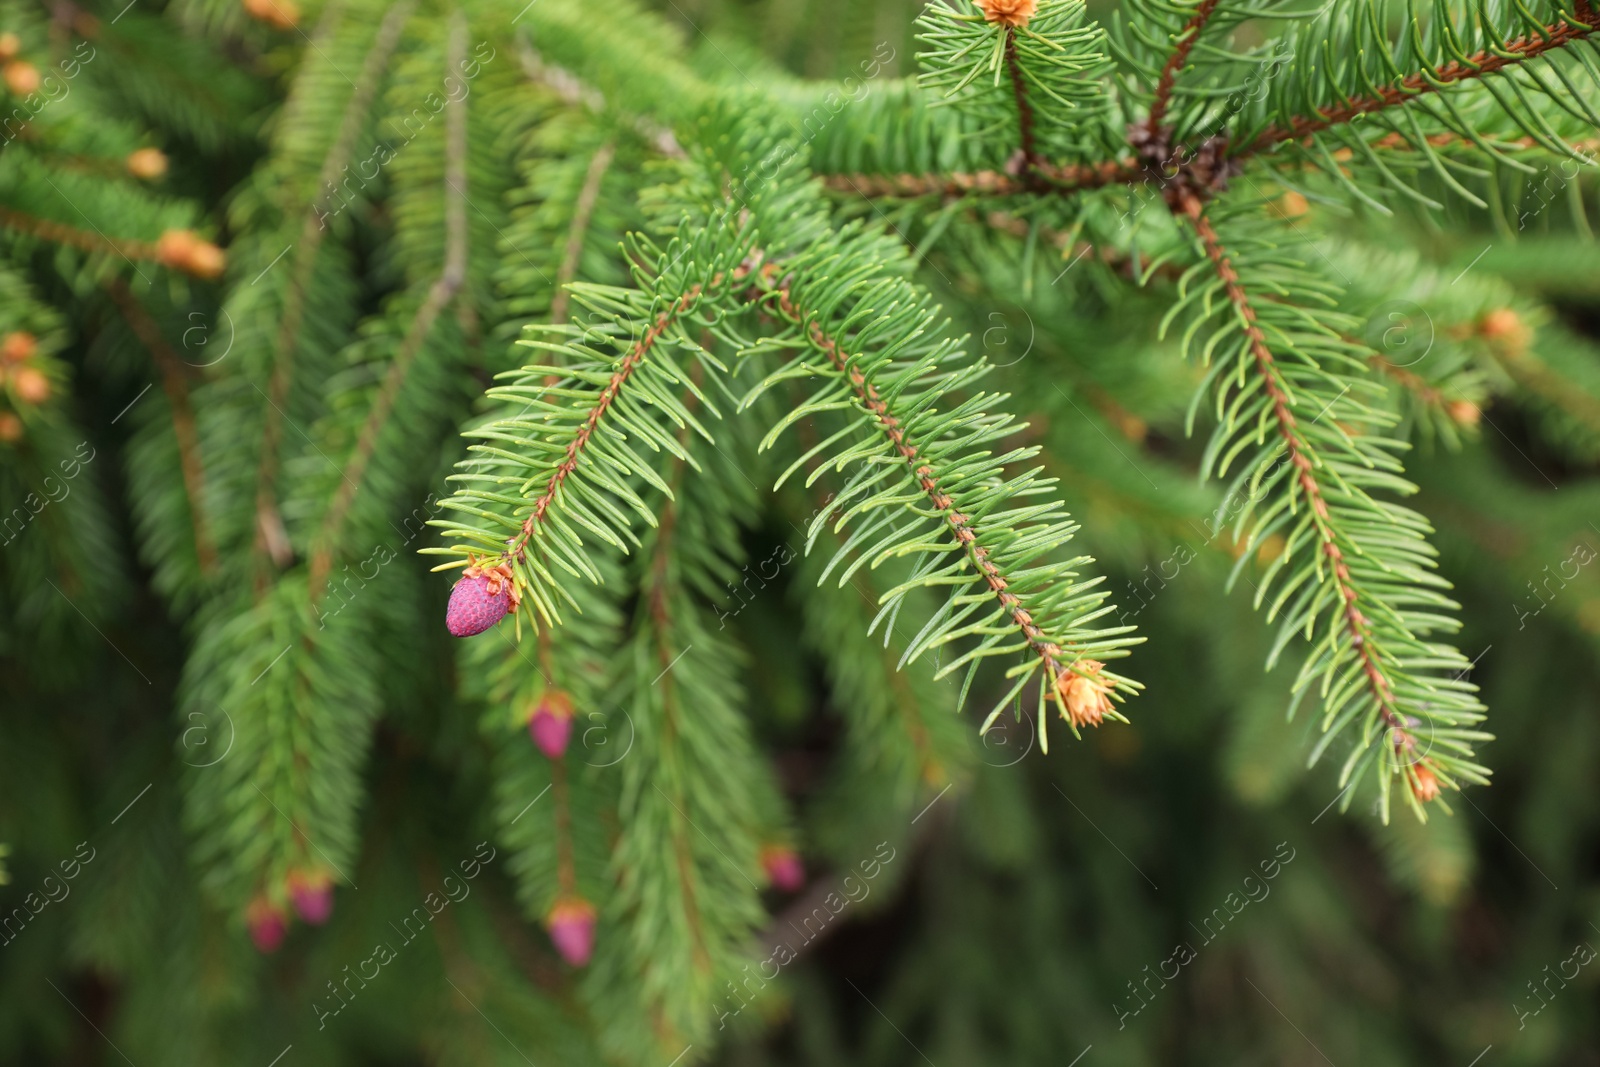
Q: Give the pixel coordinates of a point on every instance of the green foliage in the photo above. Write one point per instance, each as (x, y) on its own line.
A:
(800, 412)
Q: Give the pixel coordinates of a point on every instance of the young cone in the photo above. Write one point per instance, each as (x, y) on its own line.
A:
(481, 598)
(267, 924)
(550, 725)
(18, 347)
(571, 926)
(1084, 697)
(282, 14)
(147, 163)
(1008, 12)
(30, 385)
(21, 78)
(311, 892)
(783, 868)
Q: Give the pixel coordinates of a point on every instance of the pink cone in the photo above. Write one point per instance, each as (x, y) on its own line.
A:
(477, 602)
(551, 724)
(783, 867)
(312, 895)
(571, 926)
(267, 924)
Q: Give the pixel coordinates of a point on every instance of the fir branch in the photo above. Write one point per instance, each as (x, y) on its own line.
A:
(603, 401)
(1059, 657)
(1056, 177)
(176, 386)
(1296, 448)
(1512, 53)
(582, 212)
(1367, 598)
(271, 539)
(1539, 379)
(1169, 72)
(440, 294)
(61, 233)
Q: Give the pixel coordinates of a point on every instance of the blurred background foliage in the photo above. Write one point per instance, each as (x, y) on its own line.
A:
(1026, 912)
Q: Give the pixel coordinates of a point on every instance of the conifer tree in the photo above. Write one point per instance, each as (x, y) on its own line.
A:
(527, 529)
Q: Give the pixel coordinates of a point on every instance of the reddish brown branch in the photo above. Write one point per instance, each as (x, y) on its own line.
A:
(1175, 62)
(176, 386)
(1413, 85)
(1355, 621)
(1029, 149)
(603, 402)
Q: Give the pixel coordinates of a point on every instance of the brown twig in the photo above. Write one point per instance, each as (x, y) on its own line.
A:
(1180, 55)
(1028, 149)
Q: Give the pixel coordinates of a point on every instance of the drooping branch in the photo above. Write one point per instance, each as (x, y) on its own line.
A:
(1175, 63)
(175, 385)
(270, 536)
(1511, 54)
(1296, 448)
(582, 212)
(440, 294)
(1058, 662)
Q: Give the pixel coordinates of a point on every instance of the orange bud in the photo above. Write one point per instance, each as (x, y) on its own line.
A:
(30, 385)
(10, 427)
(1084, 700)
(1501, 322)
(282, 14)
(147, 163)
(186, 251)
(1464, 412)
(1424, 783)
(10, 45)
(172, 249)
(1008, 12)
(207, 261)
(18, 347)
(21, 78)
(1293, 205)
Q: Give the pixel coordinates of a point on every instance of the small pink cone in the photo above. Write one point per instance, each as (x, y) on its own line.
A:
(473, 608)
(571, 926)
(311, 892)
(551, 723)
(267, 924)
(783, 867)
